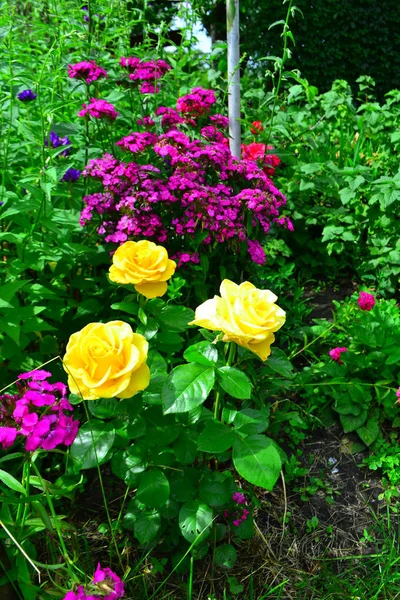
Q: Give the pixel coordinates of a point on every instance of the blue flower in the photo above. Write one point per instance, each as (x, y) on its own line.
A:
(56, 142)
(71, 175)
(27, 96)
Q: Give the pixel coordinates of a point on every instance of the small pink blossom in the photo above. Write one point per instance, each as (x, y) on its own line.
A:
(98, 109)
(108, 581)
(87, 70)
(7, 436)
(398, 394)
(366, 301)
(335, 354)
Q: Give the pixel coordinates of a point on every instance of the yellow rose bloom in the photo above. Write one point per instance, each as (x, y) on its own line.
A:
(245, 314)
(144, 264)
(104, 360)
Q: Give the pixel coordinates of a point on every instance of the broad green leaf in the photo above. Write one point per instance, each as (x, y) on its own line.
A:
(195, 520)
(11, 482)
(215, 437)
(225, 556)
(129, 464)
(153, 489)
(187, 386)
(369, 432)
(216, 489)
(353, 422)
(279, 363)
(147, 525)
(203, 353)
(175, 318)
(103, 408)
(234, 382)
(92, 444)
(257, 460)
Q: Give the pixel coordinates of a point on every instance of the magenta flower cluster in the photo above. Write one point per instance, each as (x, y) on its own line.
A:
(99, 109)
(336, 353)
(37, 412)
(106, 585)
(238, 518)
(181, 189)
(87, 70)
(147, 73)
(366, 301)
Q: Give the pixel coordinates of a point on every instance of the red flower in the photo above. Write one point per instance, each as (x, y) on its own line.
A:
(257, 152)
(257, 127)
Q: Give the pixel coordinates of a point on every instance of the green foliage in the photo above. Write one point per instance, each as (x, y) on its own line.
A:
(322, 34)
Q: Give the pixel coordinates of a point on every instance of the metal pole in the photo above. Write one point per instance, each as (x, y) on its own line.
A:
(232, 27)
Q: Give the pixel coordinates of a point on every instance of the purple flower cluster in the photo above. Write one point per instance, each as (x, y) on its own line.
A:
(37, 412)
(147, 73)
(197, 102)
(54, 141)
(98, 109)
(106, 585)
(87, 70)
(183, 189)
(27, 96)
(237, 518)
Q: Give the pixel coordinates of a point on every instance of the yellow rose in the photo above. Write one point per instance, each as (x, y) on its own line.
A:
(104, 360)
(144, 264)
(245, 314)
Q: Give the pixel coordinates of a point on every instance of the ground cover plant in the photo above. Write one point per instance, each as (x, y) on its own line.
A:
(162, 369)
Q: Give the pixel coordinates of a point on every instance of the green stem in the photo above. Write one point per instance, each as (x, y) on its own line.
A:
(56, 524)
(104, 495)
(216, 404)
(231, 354)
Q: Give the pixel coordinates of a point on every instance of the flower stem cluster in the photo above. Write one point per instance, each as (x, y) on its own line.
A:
(38, 412)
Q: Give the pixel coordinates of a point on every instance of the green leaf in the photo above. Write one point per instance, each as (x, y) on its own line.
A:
(195, 520)
(203, 353)
(369, 432)
(279, 363)
(147, 525)
(128, 307)
(92, 444)
(187, 386)
(257, 460)
(175, 318)
(225, 556)
(215, 437)
(103, 408)
(11, 482)
(234, 382)
(217, 488)
(128, 464)
(353, 422)
(153, 489)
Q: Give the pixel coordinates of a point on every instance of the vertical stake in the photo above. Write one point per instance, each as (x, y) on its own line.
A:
(232, 28)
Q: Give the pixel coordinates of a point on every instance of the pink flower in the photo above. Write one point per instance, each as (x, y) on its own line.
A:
(239, 498)
(256, 252)
(148, 87)
(398, 394)
(197, 102)
(7, 436)
(37, 375)
(98, 109)
(366, 301)
(108, 582)
(335, 354)
(87, 70)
